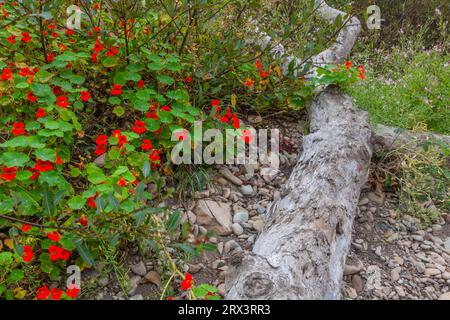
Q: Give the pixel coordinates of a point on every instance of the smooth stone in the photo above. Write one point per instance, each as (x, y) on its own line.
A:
(247, 190)
(241, 216)
(237, 229)
(139, 269)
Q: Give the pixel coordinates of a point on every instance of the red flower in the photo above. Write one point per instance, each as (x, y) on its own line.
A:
(146, 145)
(249, 82)
(50, 57)
(27, 254)
(62, 102)
(116, 90)
(40, 113)
(187, 282)
(83, 220)
(141, 83)
(70, 32)
(34, 174)
(348, 65)
(139, 127)
(54, 236)
(152, 115)
(188, 79)
(25, 227)
(43, 293)
(72, 292)
(7, 74)
(11, 39)
(43, 166)
(57, 90)
(31, 97)
(102, 140)
(99, 150)
(215, 103)
(122, 140)
(91, 201)
(25, 37)
(18, 129)
(154, 156)
(58, 160)
(166, 108)
(56, 294)
(116, 133)
(96, 6)
(25, 72)
(9, 174)
(112, 51)
(224, 119)
(94, 57)
(122, 182)
(235, 122)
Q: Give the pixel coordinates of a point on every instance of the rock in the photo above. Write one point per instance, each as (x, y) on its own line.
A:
(220, 247)
(417, 238)
(399, 260)
(436, 228)
(260, 209)
(352, 294)
(230, 245)
(192, 218)
(254, 119)
(447, 244)
(400, 291)
(137, 297)
(215, 215)
(240, 216)
(363, 201)
(445, 296)
(376, 198)
(446, 275)
(420, 267)
(230, 176)
(221, 290)
(194, 268)
(237, 229)
(258, 225)
(432, 272)
(357, 283)
(139, 269)
(373, 278)
(153, 277)
(133, 284)
(351, 269)
(395, 274)
(247, 190)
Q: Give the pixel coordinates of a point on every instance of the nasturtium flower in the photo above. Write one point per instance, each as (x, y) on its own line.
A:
(56, 294)
(141, 84)
(40, 113)
(91, 201)
(116, 90)
(348, 65)
(43, 166)
(25, 227)
(146, 145)
(50, 57)
(43, 293)
(9, 173)
(7, 74)
(54, 236)
(18, 129)
(187, 282)
(83, 220)
(188, 79)
(31, 97)
(139, 127)
(154, 156)
(112, 51)
(249, 82)
(122, 182)
(27, 254)
(100, 149)
(11, 39)
(72, 292)
(25, 37)
(62, 102)
(152, 115)
(101, 140)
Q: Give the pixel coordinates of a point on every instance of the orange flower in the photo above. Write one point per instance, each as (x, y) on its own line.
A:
(249, 82)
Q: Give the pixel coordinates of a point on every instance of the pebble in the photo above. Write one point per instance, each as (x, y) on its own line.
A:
(395, 274)
(241, 216)
(237, 229)
(139, 269)
(247, 190)
(258, 225)
(432, 272)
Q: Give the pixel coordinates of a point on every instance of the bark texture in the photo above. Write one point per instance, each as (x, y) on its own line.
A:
(301, 252)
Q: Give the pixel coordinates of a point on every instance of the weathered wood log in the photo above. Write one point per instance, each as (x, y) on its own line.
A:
(301, 252)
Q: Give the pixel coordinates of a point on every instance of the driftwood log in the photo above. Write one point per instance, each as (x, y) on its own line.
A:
(301, 252)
